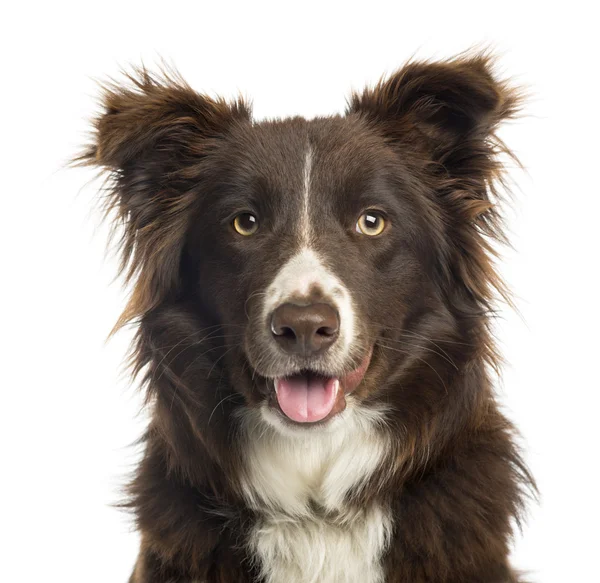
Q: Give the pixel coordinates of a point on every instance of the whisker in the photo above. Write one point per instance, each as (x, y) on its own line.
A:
(218, 359)
(445, 356)
(176, 345)
(433, 340)
(196, 343)
(199, 356)
(252, 295)
(226, 398)
(419, 359)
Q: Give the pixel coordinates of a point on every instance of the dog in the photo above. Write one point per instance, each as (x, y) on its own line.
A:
(312, 302)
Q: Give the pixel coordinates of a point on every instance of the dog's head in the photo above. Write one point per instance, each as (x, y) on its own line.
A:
(329, 256)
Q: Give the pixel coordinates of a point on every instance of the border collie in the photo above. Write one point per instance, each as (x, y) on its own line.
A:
(312, 301)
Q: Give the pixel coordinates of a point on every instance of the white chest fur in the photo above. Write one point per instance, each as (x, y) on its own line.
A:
(297, 482)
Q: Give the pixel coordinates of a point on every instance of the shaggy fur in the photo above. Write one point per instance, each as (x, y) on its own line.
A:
(418, 479)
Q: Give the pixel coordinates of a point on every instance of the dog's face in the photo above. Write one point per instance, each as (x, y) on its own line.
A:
(307, 245)
(327, 254)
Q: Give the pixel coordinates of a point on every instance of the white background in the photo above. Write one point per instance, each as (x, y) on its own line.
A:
(68, 417)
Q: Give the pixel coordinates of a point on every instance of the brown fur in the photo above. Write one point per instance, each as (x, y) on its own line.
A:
(454, 478)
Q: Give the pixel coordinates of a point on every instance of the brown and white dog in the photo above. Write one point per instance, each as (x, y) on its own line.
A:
(313, 302)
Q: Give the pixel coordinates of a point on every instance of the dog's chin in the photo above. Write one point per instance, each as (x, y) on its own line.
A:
(310, 398)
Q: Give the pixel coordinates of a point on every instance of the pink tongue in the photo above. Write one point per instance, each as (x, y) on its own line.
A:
(306, 399)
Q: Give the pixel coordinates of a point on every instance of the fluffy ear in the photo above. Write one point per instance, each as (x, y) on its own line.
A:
(151, 140)
(441, 107)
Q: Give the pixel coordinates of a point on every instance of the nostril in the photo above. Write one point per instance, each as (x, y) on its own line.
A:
(286, 332)
(326, 331)
(281, 329)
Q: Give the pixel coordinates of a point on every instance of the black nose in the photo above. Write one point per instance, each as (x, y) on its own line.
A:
(306, 330)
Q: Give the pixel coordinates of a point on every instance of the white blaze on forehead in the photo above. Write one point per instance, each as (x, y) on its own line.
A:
(305, 229)
(297, 279)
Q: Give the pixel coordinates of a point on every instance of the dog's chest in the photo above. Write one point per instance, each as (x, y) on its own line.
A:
(314, 549)
(305, 531)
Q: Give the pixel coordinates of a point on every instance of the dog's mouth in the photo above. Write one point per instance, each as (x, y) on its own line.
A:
(311, 397)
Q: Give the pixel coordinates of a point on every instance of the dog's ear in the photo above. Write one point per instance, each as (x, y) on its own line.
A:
(152, 139)
(442, 118)
(441, 109)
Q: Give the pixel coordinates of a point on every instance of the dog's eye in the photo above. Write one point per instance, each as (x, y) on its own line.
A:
(370, 223)
(245, 224)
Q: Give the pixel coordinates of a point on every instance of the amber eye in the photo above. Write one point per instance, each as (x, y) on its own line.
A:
(245, 224)
(370, 223)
